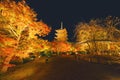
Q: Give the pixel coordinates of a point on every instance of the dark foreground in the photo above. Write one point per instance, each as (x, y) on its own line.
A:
(64, 68)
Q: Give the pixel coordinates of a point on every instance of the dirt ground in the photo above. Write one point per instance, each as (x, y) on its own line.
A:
(64, 68)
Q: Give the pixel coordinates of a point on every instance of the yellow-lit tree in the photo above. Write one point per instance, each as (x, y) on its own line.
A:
(98, 32)
(111, 24)
(60, 46)
(89, 33)
(39, 45)
(18, 24)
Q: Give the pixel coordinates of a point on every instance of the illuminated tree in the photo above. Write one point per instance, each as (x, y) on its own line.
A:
(61, 46)
(98, 32)
(18, 23)
(111, 24)
(39, 45)
(90, 33)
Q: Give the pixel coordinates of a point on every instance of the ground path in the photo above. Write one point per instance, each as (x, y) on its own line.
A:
(64, 68)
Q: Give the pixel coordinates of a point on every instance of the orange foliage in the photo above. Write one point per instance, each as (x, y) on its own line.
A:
(1, 39)
(19, 26)
(10, 40)
(6, 41)
(19, 16)
(7, 51)
(60, 46)
(41, 28)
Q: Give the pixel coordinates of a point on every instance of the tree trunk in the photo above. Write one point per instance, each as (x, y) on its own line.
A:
(89, 50)
(6, 63)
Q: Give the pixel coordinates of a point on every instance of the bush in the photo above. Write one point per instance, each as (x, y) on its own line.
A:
(42, 54)
(82, 52)
(25, 60)
(16, 61)
(48, 54)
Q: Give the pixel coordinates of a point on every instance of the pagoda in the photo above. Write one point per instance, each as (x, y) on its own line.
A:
(61, 34)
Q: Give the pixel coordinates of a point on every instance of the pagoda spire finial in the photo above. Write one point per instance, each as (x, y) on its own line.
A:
(61, 25)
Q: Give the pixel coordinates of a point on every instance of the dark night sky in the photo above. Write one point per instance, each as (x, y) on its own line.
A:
(52, 12)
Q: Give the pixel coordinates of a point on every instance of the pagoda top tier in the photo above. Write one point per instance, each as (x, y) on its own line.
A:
(61, 34)
(61, 25)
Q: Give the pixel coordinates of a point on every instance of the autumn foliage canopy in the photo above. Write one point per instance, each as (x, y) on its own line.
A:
(18, 27)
